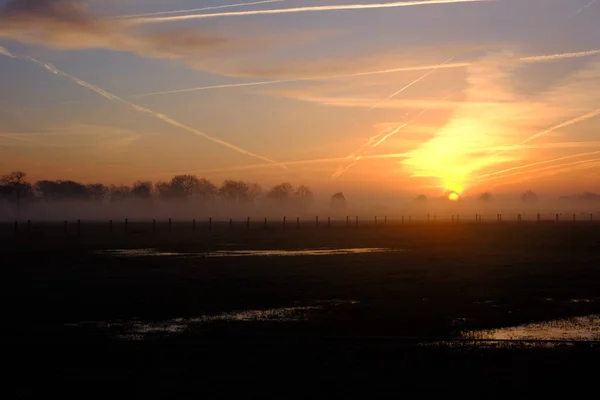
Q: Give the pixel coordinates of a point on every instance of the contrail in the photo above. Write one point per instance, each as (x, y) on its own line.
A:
(196, 9)
(573, 121)
(5, 52)
(536, 164)
(410, 84)
(560, 56)
(304, 9)
(136, 107)
(197, 89)
(554, 171)
(541, 58)
(551, 167)
(582, 9)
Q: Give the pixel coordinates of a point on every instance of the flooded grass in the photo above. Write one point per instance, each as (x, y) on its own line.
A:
(140, 330)
(241, 253)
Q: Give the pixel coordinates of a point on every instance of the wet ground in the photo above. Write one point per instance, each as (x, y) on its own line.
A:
(503, 306)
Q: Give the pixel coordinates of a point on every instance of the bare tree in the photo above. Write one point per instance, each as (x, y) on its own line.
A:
(282, 192)
(304, 195)
(206, 190)
(234, 191)
(16, 185)
(120, 193)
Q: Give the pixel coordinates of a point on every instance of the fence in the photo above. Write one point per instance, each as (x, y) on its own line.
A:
(78, 227)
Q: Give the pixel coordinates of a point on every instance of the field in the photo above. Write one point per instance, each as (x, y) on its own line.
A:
(209, 313)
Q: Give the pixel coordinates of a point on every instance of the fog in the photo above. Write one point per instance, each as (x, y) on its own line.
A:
(187, 209)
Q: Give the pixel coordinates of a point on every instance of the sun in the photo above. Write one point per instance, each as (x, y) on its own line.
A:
(453, 196)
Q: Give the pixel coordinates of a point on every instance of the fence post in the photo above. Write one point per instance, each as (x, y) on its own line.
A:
(16, 227)
(591, 217)
(65, 228)
(230, 224)
(556, 217)
(317, 220)
(458, 218)
(284, 223)
(329, 222)
(452, 218)
(375, 220)
(248, 222)
(297, 222)
(153, 225)
(78, 227)
(347, 221)
(210, 224)
(538, 217)
(170, 225)
(126, 224)
(28, 227)
(265, 223)
(110, 226)
(194, 225)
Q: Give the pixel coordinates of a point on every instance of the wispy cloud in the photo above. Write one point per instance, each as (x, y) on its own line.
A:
(136, 107)
(153, 14)
(304, 9)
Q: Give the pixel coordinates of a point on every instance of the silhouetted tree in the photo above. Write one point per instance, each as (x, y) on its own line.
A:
(529, 197)
(184, 186)
(97, 191)
(338, 201)
(234, 191)
(118, 193)
(304, 195)
(62, 190)
(282, 192)
(15, 187)
(421, 199)
(142, 190)
(206, 190)
(485, 197)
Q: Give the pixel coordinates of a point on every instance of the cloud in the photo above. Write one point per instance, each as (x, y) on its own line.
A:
(68, 24)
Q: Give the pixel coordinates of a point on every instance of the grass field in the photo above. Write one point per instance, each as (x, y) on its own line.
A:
(337, 320)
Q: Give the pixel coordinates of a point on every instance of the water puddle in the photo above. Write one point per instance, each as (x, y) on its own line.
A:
(242, 253)
(571, 329)
(140, 330)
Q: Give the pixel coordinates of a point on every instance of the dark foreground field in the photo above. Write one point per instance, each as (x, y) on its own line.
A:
(298, 326)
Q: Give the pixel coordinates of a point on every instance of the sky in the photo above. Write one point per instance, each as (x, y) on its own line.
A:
(364, 97)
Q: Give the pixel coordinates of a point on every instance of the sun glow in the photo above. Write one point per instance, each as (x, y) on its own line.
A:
(453, 196)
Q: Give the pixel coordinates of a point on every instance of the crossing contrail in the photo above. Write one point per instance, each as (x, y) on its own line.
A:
(197, 9)
(303, 9)
(536, 164)
(410, 84)
(541, 58)
(117, 99)
(570, 122)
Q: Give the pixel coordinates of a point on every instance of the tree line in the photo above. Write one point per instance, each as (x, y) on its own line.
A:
(15, 187)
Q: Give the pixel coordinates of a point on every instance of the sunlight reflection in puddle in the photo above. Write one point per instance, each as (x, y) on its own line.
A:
(242, 253)
(577, 328)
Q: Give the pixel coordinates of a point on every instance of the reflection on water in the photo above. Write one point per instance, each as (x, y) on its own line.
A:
(571, 329)
(242, 253)
(139, 330)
